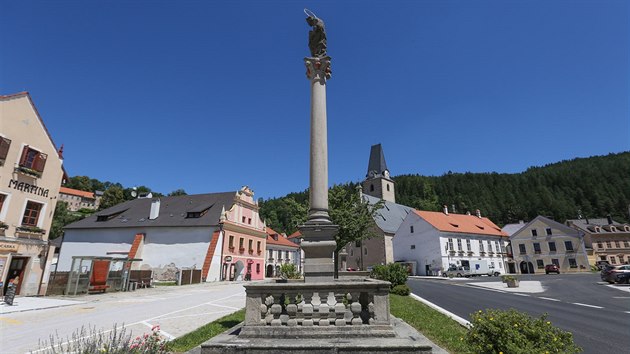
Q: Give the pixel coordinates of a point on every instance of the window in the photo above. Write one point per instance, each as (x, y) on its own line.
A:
(241, 243)
(568, 245)
(490, 247)
(613, 260)
(459, 244)
(287, 254)
(270, 252)
(540, 264)
(572, 263)
(497, 247)
(608, 244)
(387, 187)
(33, 159)
(357, 243)
(251, 245)
(249, 221)
(231, 243)
(617, 244)
(365, 251)
(4, 148)
(626, 244)
(555, 261)
(411, 229)
(243, 219)
(371, 188)
(258, 246)
(548, 231)
(279, 255)
(3, 197)
(552, 246)
(481, 249)
(468, 246)
(450, 244)
(521, 248)
(600, 244)
(257, 268)
(536, 247)
(31, 213)
(413, 247)
(534, 232)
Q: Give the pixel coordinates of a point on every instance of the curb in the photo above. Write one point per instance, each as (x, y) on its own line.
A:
(36, 308)
(453, 316)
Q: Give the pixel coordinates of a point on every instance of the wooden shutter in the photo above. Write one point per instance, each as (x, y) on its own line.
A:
(24, 155)
(40, 162)
(4, 147)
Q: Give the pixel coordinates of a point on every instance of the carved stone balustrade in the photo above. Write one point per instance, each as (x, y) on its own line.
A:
(318, 310)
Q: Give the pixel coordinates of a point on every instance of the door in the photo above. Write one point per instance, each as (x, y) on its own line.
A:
(16, 269)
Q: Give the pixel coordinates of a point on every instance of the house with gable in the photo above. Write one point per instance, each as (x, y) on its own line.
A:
(605, 240)
(220, 233)
(543, 241)
(280, 250)
(434, 241)
(31, 171)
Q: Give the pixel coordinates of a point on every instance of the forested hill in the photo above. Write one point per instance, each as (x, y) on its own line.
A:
(597, 186)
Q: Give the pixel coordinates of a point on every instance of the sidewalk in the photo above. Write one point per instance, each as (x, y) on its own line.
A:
(30, 303)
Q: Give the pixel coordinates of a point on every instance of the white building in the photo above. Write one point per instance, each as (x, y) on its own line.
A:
(280, 250)
(435, 240)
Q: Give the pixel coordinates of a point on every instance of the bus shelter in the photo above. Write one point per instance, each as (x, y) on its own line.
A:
(92, 274)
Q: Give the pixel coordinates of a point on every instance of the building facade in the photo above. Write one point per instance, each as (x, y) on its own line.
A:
(173, 233)
(543, 241)
(606, 240)
(280, 250)
(434, 241)
(77, 199)
(30, 175)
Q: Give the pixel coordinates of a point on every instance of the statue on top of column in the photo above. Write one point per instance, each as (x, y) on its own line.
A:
(316, 36)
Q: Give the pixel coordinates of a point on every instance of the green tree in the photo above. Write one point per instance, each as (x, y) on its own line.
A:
(354, 216)
(177, 192)
(112, 196)
(61, 218)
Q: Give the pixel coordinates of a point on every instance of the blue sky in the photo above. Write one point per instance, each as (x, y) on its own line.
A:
(209, 96)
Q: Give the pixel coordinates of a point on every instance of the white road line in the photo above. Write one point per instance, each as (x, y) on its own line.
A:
(587, 305)
(621, 297)
(192, 307)
(627, 311)
(519, 294)
(461, 321)
(548, 298)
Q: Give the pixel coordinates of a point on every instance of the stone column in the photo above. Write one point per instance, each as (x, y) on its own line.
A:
(318, 231)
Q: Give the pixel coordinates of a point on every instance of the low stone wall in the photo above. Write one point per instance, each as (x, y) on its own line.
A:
(310, 310)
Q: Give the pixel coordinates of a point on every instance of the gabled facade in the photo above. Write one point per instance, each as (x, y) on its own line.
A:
(543, 241)
(280, 250)
(30, 175)
(218, 233)
(605, 240)
(433, 241)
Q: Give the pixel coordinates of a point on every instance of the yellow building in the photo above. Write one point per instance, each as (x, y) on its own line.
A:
(30, 175)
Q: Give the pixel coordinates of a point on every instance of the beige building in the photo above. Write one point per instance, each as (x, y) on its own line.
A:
(77, 199)
(606, 240)
(30, 175)
(543, 241)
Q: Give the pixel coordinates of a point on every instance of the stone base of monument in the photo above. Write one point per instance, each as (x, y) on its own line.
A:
(326, 317)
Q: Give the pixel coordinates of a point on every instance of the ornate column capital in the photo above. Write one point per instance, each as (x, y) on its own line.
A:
(318, 68)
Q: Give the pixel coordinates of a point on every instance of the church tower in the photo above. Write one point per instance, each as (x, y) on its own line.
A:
(377, 181)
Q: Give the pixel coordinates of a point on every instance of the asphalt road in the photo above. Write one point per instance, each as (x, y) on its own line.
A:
(598, 315)
(177, 310)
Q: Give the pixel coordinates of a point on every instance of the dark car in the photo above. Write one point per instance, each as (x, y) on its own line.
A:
(552, 268)
(623, 278)
(611, 274)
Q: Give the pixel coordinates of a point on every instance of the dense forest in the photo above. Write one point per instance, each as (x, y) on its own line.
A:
(592, 187)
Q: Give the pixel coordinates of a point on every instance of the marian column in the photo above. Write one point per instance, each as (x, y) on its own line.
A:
(318, 231)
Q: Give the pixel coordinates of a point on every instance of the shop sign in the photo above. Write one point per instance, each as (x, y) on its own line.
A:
(8, 247)
(228, 258)
(25, 187)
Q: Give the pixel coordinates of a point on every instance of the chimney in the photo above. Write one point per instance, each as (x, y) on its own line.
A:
(610, 221)
(478, 212)
(155, 209)
(445, 209)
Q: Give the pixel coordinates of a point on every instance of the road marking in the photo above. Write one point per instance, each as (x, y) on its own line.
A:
(461, 321)
(587, 305)
(621, 297)
(10, 321)
(627, 311)
(192, 307)
(165, 334)
(548, 298)
(519, 294)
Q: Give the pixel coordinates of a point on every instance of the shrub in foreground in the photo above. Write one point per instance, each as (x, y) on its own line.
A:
(394, 273)
(513, 332)
(402, 290)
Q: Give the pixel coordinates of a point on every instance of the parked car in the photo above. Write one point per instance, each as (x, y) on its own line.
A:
(611, 274)
(552, 268)
(623, 278)
(455, 271)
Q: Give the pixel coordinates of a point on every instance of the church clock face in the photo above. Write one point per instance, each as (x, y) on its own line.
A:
(386, 174)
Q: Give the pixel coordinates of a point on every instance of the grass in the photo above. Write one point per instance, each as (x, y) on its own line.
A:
(439, 328)
(165, 283)
(204, 333)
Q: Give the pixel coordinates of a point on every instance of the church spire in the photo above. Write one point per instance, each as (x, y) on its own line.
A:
(377, 166)
(377, 182)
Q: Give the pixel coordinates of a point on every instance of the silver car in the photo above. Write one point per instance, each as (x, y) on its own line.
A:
(457, 272)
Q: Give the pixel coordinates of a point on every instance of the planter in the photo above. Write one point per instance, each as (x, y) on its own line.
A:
(512, 283)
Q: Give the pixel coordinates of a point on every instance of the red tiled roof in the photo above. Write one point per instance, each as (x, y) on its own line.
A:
(469, 224)
(295, 234)
(77, 192)
(282, 241)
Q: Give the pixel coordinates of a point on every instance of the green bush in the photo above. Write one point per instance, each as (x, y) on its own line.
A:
(402, 290)
(499, 331)
(394, 273)
(289, 271)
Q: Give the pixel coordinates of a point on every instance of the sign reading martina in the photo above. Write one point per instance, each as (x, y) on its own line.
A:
(25, 187)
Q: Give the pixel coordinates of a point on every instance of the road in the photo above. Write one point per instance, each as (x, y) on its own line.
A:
(597, 314)
(178, 310)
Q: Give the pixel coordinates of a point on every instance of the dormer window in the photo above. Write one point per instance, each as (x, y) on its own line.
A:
(534, 232)
(105, 217)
